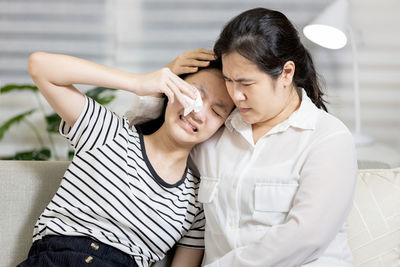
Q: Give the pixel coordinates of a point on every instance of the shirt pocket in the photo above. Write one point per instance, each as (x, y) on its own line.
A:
(272, 202)
(208, 189)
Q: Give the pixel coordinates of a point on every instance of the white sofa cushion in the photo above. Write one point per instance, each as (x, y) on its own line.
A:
(374, 222)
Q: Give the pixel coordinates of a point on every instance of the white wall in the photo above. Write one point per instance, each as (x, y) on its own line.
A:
(144, 35)
(378, 42)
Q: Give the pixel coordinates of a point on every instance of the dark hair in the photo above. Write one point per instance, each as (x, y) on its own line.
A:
(267, 38)
(153, 125)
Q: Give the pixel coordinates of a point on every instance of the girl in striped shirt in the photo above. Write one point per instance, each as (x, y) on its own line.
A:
(126, 198)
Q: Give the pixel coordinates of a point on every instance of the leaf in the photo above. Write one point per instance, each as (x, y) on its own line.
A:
(13, 120)
(71, 154)
(53, 122)
(105, 100)
(42, 154)
(102, 95)
(11, 87)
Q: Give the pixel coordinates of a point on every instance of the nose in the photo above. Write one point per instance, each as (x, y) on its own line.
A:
(236, 93)
(200, 116)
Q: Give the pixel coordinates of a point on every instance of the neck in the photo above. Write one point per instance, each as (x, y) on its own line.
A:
(292, 104)
(167, 157)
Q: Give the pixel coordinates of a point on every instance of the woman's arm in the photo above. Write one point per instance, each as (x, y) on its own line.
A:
(56, 74)
(187, 257)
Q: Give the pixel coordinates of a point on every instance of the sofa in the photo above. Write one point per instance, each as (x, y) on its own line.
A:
(373, 224)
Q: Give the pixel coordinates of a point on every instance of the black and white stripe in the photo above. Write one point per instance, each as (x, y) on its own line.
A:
(111, 193)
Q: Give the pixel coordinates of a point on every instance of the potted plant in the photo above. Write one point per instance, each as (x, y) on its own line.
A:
(45, 152)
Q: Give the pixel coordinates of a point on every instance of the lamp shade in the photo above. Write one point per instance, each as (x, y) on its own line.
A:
(328, 29)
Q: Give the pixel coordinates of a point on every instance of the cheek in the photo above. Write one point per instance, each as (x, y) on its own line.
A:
(229, 88)
(219, 123)
(213, 126)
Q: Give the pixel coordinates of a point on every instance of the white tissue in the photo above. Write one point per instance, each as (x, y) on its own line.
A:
(194, 105)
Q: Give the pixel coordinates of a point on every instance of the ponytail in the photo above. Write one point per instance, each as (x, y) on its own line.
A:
(306, 77)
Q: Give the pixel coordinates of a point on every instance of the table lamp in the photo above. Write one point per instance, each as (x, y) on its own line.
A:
(330, 30)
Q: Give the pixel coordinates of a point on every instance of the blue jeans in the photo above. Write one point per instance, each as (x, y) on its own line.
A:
(75, 251)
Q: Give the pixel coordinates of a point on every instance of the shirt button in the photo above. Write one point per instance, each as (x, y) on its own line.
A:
(89, 259)
(94, 246)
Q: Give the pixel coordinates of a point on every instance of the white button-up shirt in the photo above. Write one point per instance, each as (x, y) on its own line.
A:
(282, 201)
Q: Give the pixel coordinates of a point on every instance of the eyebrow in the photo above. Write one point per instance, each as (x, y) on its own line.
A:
(237, 80)
(203, 91)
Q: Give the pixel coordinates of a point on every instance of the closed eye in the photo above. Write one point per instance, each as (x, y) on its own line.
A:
(226, 78)
(247, 84)
(216, 113)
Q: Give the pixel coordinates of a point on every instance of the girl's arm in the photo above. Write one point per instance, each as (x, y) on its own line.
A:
(187, 257)
(56, 74)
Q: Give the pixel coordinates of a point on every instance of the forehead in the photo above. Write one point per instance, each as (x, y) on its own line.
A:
(208, 81)
(235, 66)
(211, 85)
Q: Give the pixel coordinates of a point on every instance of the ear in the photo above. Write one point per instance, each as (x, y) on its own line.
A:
(288, 73)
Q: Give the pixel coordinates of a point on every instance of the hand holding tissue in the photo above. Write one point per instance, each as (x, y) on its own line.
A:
(193, 104)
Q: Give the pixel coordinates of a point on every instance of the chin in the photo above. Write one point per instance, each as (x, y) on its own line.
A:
(185, 138)
(248, 119)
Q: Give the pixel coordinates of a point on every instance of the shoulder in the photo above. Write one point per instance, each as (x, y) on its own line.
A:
(209, 143)
(327, 125)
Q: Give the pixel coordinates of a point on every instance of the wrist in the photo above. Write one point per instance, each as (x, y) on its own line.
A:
(135, 83)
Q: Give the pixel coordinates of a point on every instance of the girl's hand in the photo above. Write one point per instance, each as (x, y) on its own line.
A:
(189, 61)
(163, 81)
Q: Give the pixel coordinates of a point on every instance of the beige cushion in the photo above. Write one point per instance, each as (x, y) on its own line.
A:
(374, 222)
(26, 188)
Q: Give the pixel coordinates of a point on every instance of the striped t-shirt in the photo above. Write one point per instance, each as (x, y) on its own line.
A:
(110, 192)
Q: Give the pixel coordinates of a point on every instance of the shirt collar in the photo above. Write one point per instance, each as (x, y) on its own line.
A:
(305, 117)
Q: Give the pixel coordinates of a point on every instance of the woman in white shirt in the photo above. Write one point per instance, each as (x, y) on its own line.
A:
(277, 182)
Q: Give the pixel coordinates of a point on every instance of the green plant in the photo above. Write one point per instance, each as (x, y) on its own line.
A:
(100, 94)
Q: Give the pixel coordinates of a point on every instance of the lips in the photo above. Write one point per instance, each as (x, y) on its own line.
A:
(188, 124)
(244, 110)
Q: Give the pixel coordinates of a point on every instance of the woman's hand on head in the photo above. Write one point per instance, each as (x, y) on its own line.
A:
(190, 61)
(163, 81)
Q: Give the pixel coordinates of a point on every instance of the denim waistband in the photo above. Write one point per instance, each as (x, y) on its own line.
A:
(85, 245)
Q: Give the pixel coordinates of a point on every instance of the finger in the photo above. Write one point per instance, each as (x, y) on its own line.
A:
(169, 94)
(202, 56)
(177, 93)
(183, 87)
(183, 70)
(206, 51)
(197, 63)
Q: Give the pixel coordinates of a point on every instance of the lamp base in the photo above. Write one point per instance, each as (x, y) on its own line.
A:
(360, 139)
